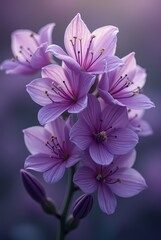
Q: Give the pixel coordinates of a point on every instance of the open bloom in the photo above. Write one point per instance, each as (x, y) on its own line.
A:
(29, 51)
(124, 85)
(60, 90)
(117, 178)
(137, 124)
(51, 150)
(86, 50)
(103, 133)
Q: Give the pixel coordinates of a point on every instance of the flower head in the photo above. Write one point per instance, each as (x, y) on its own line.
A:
(51, 150)
(137, 124)
(117, 178)
(123, 86)
(28, 50)
(86, 50)
(60, 90)
(103, 133)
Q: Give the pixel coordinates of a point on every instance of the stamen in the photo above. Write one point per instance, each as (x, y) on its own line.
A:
(32, 35)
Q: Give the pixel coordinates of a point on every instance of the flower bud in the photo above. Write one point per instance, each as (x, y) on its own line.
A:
(82, 206)
(33, 187)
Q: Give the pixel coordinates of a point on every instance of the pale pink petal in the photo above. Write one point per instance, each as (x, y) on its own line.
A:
(51, 111)
(112, 63)
(46, 33)
(21, 40)
(85, 179)
(105, 38)
(140, 77)
(35, 139)
(76, 28)
(130, 183)
(100, 154)
(128, 68)
(106, 199)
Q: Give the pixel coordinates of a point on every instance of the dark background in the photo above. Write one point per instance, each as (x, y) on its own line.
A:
(135, 218)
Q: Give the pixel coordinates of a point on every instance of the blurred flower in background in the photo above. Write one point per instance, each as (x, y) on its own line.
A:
(140, 31)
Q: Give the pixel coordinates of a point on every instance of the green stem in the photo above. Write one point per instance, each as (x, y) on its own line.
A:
(66, 204)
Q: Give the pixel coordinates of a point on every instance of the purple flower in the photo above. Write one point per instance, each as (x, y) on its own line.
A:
(137, 124)
(103, 133)
(86, 50)
(60, 90)
(29, 51)
(51, 150)
(117, 178)
(124, 85)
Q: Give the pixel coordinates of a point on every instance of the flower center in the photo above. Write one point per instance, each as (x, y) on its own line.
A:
(106, 175)
(85, 58)
(62, 91)
(122, 84)
(100, 137)
(25, 53)
(57, 150)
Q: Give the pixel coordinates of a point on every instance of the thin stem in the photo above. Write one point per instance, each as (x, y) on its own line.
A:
(66, 204)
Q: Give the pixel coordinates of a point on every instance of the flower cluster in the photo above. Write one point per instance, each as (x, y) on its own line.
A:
(92, 110)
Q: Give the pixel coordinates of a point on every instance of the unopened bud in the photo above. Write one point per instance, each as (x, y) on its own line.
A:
(33, 187)
(49, 207)
(82, 206)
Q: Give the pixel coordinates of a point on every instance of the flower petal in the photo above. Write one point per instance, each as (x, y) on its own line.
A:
(105, 39)
(115, 116)
(92, 114)
(145, 128)
(35, 139)
(76, 29)
(124, 141)
(54, 174)
(15, 67)
(130, 183)
(23, 39)
(57, 129)
(39, 57)
(106, 199)
(59, 53)
(125, 161)
(138, 101)
(85, 179)
(37, 89)
(46, 33)
(51, 111)
(39, 162)
(100, 154)
(80, 134)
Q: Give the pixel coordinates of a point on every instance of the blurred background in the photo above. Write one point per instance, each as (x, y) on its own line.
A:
(135, 218)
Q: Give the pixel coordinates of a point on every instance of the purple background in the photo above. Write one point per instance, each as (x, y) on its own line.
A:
(136, 218)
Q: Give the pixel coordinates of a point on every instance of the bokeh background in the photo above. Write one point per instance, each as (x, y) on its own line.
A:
(135, 218)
